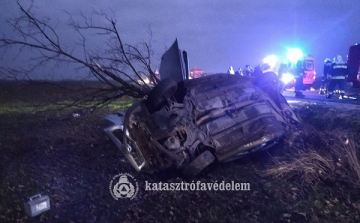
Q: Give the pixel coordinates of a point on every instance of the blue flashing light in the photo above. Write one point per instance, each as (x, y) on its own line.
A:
(294, 54)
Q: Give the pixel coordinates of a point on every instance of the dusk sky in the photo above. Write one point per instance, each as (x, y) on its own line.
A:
(217, 34)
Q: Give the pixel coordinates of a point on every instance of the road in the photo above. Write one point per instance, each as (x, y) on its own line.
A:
(312, 96)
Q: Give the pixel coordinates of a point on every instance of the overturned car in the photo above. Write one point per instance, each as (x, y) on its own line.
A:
(193, 123)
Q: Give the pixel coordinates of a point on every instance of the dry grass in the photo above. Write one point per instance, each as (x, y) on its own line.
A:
(309, 165)
(349, 159)
(315, 157)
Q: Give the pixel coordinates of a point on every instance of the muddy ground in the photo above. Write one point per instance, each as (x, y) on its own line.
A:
(69, 158)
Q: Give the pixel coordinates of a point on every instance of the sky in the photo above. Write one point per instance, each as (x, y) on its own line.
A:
(215, 33)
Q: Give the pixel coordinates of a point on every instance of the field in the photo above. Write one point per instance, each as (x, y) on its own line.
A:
(313, 175)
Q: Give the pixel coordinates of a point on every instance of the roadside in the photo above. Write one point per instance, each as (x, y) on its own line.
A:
(70, 159)
(312, 96)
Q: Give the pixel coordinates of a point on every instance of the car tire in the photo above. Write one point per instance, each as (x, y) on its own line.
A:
(164, 89)
(199, 164)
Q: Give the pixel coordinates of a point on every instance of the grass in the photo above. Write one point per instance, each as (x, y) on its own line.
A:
(324, 156)
(312, 176)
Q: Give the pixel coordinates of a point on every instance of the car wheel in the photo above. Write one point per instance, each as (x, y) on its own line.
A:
(199, 164)
(159, 93)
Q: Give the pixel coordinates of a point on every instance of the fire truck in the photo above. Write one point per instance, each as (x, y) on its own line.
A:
(353, 63)
(196, 73)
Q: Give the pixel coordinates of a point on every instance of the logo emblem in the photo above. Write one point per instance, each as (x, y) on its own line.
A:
(123, 185)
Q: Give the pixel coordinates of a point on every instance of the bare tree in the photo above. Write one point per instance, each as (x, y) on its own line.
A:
(120, 66)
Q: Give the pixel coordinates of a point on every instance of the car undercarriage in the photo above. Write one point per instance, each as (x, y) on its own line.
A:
(194, 123)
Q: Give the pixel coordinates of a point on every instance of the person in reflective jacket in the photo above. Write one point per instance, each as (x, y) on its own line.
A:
(337, 75)
(325, 80)
(231, 70)
(299, 76)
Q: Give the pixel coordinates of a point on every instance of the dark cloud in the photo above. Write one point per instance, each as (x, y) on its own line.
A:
(218, 34)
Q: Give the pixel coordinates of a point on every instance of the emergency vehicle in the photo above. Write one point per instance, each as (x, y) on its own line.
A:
(196, 73)
(309, 70)
(353, 64)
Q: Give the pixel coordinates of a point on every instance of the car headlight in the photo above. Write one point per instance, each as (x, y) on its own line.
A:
(146, 80)
(287, 77)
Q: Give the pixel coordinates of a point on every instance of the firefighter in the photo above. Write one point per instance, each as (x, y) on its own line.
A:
(337, 75)
(324, 82)
(257, 71)
(239, 72)
(248, 71)
(268, 81)
(283, 68)
(299, 72)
